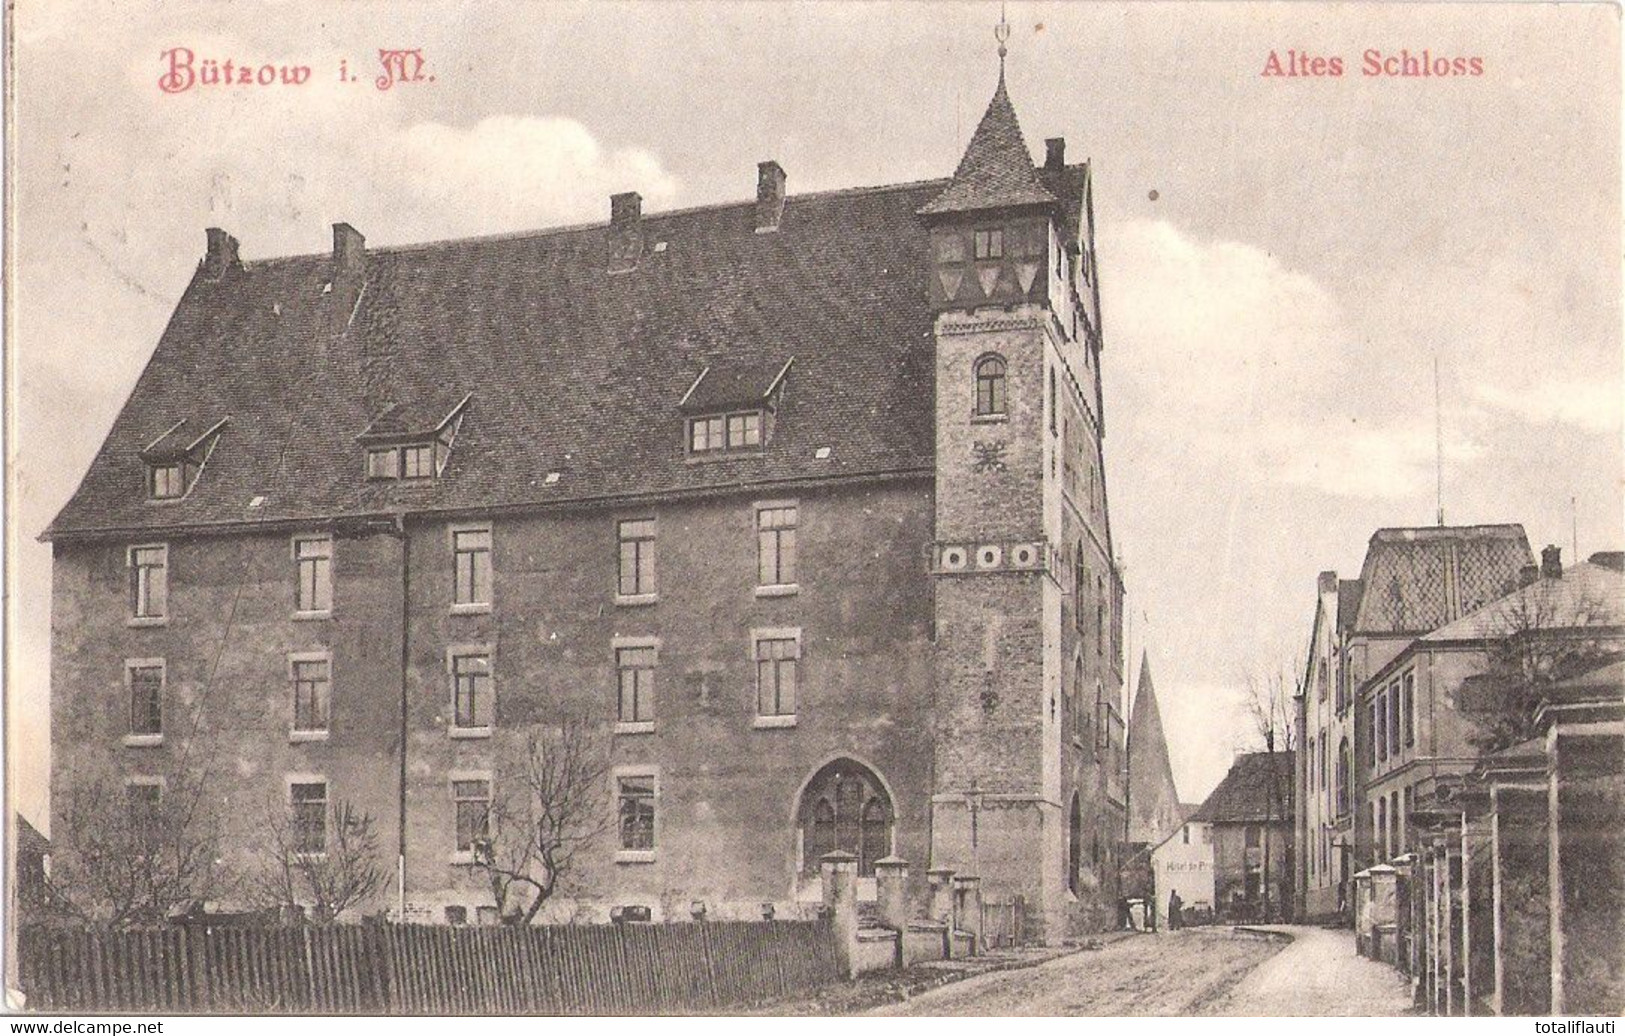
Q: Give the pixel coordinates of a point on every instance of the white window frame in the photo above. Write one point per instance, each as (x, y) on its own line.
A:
(475, 607)
(295, 734)
(617, 645)
(289, 780)
(759, 721)
(132, 739)
(794, 585)
(465, 857)
(646, 596)
(616, 774)
(454, 652)
(299, 576)
(134, 619)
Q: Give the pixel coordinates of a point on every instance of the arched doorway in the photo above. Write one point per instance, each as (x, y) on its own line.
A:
(845, 806)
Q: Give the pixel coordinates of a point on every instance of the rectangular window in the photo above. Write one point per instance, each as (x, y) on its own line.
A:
(1408, 709)
(1251, 835)
(167, 481)
(149, 582)
(776, 546)
(989, 244)
(312, 686)
(635, 670)
(144, 801)
(384, 463)
(705, 433)
(744, 430)
(1393, 721)
(471, 564)
(637, 812)
(309, 803)
(146, 698)
(1185, 834)
(417, 461)
(472, 692)
(636, 575)
(473, 802)
(313, 555)
(776, 659)
(1379, 730)
(1382, 827)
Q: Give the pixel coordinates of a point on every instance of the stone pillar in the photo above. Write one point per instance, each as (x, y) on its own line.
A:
(891, 882)
(839, 870)
(968, 907)
(942, 894)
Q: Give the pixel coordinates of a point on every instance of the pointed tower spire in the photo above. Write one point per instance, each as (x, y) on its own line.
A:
(1153, 799)
(996, 170)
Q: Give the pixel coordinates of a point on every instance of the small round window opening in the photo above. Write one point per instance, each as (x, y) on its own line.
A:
(989, 557)
(953, 558)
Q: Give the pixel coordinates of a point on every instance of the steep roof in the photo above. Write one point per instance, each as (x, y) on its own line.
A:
(1153, 800)
(1584, 596)
(1416, 580)
(564, 366)
(1245, 795)
(996, 170)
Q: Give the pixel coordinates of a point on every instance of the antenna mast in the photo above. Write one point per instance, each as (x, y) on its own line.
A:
(1438, 443)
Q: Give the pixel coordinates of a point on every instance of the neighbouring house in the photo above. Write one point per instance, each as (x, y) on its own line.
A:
(31, 850)
(1412, 581)
(1183, 863)
(1251, 819)
(800, 499)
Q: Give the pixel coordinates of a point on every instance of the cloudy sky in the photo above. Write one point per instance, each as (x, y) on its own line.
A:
(1283, 258)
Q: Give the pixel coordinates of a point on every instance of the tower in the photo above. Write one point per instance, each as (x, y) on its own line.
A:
(1028, 679)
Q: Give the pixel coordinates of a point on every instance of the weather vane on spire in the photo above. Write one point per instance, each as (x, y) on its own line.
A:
(1001, 32)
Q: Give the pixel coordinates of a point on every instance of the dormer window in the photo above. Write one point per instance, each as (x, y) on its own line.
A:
(742, 431)
(730, 408)
(166, 481)
(176, 458)
(400, 447)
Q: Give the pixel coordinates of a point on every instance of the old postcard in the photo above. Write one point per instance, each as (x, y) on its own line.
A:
(814, 508)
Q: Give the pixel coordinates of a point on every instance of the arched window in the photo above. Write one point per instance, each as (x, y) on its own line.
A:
(1054, 409)
(1100, 616)
(1344, 760)
(990, 386)
(1074, 845)
(845, 807)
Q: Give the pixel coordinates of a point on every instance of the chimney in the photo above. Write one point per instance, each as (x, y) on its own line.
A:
(1326, 583)
(769, 196)
(625, 231)
(1551, 562)
(1055, 153)
(349, 274)
(221, 254)
(1528, 574)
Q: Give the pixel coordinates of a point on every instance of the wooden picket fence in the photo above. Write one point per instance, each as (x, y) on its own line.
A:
(421, 969)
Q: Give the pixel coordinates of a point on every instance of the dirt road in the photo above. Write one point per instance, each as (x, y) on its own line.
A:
(1320, 975)
(1172, 973)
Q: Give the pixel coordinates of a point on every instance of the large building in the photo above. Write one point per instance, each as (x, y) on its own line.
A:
(1249, 819)
(802, 500)
(1412, 581)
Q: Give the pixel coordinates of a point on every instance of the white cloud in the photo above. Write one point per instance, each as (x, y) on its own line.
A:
(1591, 404)
(517, 172)
(1256, 368)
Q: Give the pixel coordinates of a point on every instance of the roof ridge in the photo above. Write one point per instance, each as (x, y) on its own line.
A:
(576, 228)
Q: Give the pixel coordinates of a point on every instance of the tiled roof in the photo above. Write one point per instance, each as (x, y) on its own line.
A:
(1416, 580)
(569, 368)
(1585, 595)
(1245, 795)
(997, 169)
(1348, 603)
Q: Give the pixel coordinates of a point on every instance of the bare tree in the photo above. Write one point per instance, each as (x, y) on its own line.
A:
(1546, 632)
(343, 873)
(555, 804)
(130, 856)
(1270, 702)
